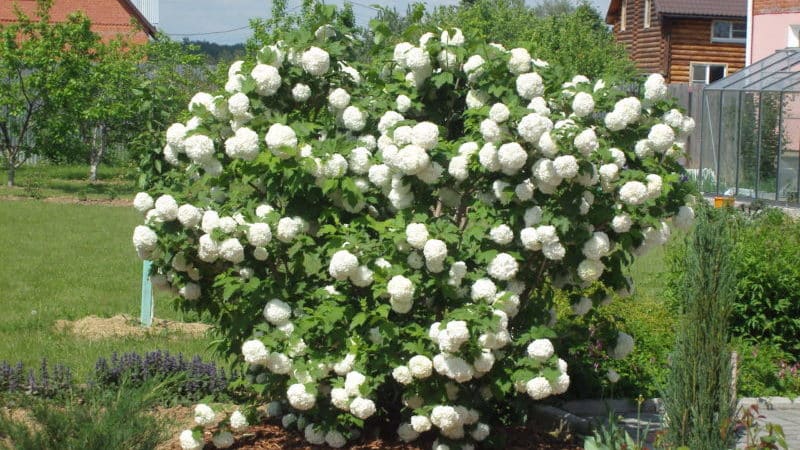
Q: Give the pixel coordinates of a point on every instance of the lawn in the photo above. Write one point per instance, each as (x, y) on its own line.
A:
(46, 180)
(68, 261)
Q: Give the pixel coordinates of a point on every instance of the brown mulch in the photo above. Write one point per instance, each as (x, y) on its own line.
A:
(271, 436)
(123, 325)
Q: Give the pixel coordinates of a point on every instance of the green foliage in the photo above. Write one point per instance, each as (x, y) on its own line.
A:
(698, 397)
(610, 436)
(765, 370)
(99, 420)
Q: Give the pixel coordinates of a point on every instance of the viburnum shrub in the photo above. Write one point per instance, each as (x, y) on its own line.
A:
(380, 243)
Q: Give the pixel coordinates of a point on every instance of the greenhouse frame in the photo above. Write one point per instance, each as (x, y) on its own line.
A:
(750, 132)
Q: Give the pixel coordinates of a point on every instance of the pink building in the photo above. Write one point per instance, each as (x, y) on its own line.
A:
(772, 25)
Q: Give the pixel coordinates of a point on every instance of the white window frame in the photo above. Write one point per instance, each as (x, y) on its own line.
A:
(707, 70)
(647, 13)
(793, 36)
(623, 17)
(730, 38)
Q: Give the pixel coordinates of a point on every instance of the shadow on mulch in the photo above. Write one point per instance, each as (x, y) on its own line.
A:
(271, 436)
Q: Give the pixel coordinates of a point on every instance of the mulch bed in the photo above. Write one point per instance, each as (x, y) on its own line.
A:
(272, 436)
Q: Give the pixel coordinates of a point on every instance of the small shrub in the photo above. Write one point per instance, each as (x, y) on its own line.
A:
(32, 186)
(765, 370)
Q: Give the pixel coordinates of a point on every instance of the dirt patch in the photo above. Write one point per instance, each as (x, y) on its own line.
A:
(126, 202)
(123, 325)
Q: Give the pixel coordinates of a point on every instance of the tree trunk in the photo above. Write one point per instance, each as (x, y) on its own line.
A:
(11, 173)
(98, 149)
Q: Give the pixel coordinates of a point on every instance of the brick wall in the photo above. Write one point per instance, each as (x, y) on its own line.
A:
(775, 6)
(109, 17)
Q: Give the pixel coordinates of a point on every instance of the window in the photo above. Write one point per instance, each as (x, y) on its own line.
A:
(793, 39)
(705, 73)
(647, 13)
(623, 21)
(726, 31)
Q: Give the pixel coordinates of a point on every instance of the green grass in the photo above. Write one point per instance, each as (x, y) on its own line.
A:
(68, 261)
(46, 180)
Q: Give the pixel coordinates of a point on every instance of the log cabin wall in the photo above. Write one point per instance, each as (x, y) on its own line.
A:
(646, 46)
(690, 41)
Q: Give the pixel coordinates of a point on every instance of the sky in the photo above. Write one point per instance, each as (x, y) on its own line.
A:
(212, 20)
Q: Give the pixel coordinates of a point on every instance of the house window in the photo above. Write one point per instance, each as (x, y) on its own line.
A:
(647, 13)
(794, 36)
(705, 73)
(623, 21)
(727, 31)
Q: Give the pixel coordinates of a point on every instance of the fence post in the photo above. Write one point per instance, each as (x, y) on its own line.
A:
(146, 317)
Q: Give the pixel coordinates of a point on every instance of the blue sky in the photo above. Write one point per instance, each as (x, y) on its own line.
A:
(181, 17)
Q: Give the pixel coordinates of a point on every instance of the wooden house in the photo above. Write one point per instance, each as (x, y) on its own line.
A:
(109, 17)
(698, 41)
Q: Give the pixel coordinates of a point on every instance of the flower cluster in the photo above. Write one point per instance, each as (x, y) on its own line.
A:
(326, 215)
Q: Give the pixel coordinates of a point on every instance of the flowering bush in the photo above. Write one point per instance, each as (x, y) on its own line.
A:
(382, 242)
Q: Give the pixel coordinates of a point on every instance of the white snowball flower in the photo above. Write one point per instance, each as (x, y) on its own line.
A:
(223, 439)
(189, 216)
(340, 399)
(259, 234)
(530, 85)
(633, 193)
(655, 88)
(188, 442)
(545, 172)
(277, 312)
(597, 246)
(238, 421)
(491, 131)
(199, 148)
(519, 61)
(339, 98)
(511, 157)
(191, 291)
(476, 98)
(143, 202)
(420, 366)
(530, 239)
(524, 191)
(445, 417)
(176, 134)
(334, 167)
(566, 166)
(363, 408)
(533, 216)
(458, 168)
(501, 234)
(288, 229)
(484, 362)
(483, 289)
(416, 235)
(313, 434)
(362, 276)
(654, 184)
(335, 439)
(231, 250)
(586, 142)
(612, 376)
(561, 385)
(267, 79)
(499, 113)
(643, 148)
(315, 61)
(354, 119)
(481, 432)
(388, 120)
(342, 265)
(301, 92)
(278, 136)
(425, 135)
(472, 67)
(539, 106)
(402, 374)
(400, 288)
(538, 388)
(590, 270)
(203, 414)
(435, 252)
(488, 157)
(541, 349)
(144, 239)
(623, 347)
(208, 250)
(582, 104)
(417, 59)
(609, 172)
(621, 223)
(447, 59)
(243, 144)
(554, 251)
(352, 383)
(406, 433)
(687, 126)
(420, 424)
(661, 137)
(299, 398)
(532, 126)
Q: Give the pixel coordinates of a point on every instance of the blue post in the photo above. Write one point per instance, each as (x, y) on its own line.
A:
(147, 295)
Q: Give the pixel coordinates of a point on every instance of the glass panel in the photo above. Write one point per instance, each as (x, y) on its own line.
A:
(699, 73)
(748, 138)
(760, 69)
(769, 115)
(728, 142)
(716, 73)
(739, 30)
(706, 176)
(790, 150)
(721, 29)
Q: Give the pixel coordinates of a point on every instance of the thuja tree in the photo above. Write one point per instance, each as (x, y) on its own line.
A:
(380, 244)
(699, 397)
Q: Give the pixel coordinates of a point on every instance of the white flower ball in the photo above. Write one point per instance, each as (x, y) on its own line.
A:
(243, 144)
(301, 92)
(167, 208)
(501, 234)
(342, 265)
(203, 414)
(633, 193)
(289, 228)
(511, 157)
(643, 148)
(144, 239)
(315, 61)
(554, 251)
(532, 126)
(661, 137)
(416, 235)
(388, 120)
(143, 202)
(499, 113)
(609, 172)
(491, 131)
(621, 223)
(530, 239)
(538, 388)
(335, 439)
(191, 291)
(400, 288)
(435, 251)
(279, 136)
(425, 135)
(530, 85)
(406, 433)
(239, 105)
(623, 347)
(655, 88)
(363, 408)
(339, 98)
(335, 166)
(590, 270)
(267, 79)
(277, 312)
(541, 349)
(231, 250)
(259, 234)
(654, 184)
(420, 424)
(402, 374)
(458, 168)
(597, 246)
(403, 103)
(340, 399)
(238, 421)
(354, 119)
(420, 366)
(566, 166)
(483, 289)
(519, 61)
(188, 442)
(417, 59)
(582, 104)
(299, 398)
(476, 98)
(586, 142)
(445, 417)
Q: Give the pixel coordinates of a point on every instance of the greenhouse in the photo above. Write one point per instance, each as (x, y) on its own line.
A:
(750, 132)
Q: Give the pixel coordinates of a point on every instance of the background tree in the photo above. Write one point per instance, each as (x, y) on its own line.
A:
(41, 64)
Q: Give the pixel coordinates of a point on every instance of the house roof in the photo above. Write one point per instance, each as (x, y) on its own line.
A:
(688, 8)
(134, 11)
